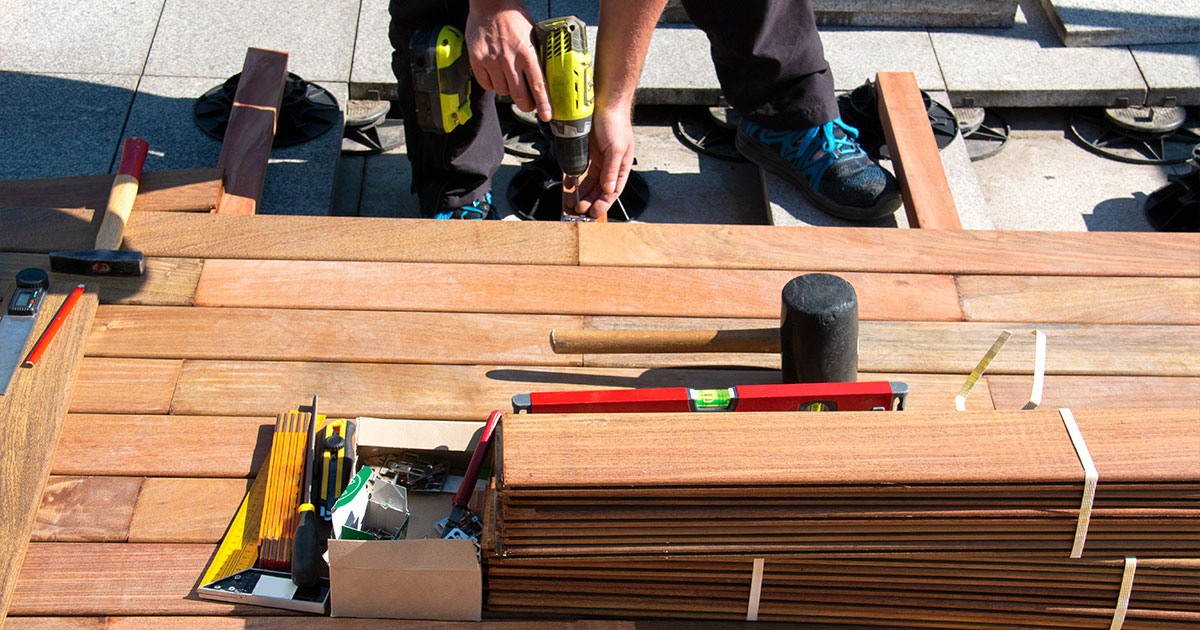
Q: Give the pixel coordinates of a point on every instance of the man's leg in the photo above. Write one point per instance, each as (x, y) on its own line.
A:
(773, 72)
(448, 170)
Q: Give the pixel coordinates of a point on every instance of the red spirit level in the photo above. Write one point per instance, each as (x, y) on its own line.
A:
(868, 396)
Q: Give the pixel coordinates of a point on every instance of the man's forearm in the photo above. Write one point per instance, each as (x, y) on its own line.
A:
(624, 36)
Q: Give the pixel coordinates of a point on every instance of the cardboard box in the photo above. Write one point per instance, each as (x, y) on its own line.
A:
(423, 577)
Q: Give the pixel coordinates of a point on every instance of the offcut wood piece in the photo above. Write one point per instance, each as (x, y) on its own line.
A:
(559, 290)
(167, 281)
(195, 190)
(125, 385)
(207, 503)
(326, 335)
(904, 251)
(31, 415)
(163, 446)
(950, 347)
(928, 201)
(1098, 392)
(78, 509)
(1080, 299)
(251, 130)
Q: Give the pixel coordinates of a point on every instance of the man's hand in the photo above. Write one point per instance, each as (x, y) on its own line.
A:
(503, 53)
(610, 150)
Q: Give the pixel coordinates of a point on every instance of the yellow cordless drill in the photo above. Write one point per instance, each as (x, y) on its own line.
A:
(567, 64)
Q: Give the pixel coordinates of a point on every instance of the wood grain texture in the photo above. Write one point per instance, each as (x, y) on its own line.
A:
(167, 281)
(272, 237)
(175, 510)
(905, 251)
(559, 290)
(1152, 445)
(56, 623)
(194, 190)
(1077, 299)
(251, 130)
(31, 418)
(125, 385)
(952, 347)
(163, 446)
(326, 335)
(86, 509)
(258, 388)
(914, 152)
(325, 623)
(1098, 392)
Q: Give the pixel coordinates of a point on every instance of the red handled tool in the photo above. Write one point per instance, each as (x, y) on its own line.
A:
(462, 523)
(866, 396)
(48, 335)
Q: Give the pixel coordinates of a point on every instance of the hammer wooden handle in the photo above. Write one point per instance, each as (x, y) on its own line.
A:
(765, 340)
(124, 191)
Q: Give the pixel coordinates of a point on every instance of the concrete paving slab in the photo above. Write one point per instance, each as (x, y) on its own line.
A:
(1172, 71)
(1026, 66)
(209, 38)
(299, 178)
(61, 36)
(1123, 22)
(59, 125)
(1042, 180)
(855, 55)
(910, 13)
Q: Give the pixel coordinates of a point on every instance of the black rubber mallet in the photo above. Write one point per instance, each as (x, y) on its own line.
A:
(106, 259)
(817, 338)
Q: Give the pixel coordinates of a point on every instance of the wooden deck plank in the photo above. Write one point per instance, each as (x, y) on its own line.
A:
(953, 347)
(31, 418)
(559, 290)
(125, 385)
(1078, 299)
(56, 623)
(278, 237)
(923, 184)
(1098, 392)
(232, 622)
(168, 281)
(209, 506)
(251, 130)
(326, 335)
(193, 190)
(905, 251)
(91, 509)
(163, 446)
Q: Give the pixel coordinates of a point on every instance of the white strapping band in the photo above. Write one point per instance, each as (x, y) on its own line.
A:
(1039, 370)
(1090, 477)
(960, 401)
(755, 590)
(1123, 597)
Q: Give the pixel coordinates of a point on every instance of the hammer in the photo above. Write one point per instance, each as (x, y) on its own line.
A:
(817, 338)
(105, 260)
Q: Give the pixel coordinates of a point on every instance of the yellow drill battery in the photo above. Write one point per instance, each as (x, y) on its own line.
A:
(441, 78)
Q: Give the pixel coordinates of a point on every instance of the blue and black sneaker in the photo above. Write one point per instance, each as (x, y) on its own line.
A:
(828, 166)
(476, 211)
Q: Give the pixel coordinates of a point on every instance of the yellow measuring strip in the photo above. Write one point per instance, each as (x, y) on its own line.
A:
(239, 549)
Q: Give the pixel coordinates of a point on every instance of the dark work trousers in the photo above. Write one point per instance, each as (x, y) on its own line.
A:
(767, 55)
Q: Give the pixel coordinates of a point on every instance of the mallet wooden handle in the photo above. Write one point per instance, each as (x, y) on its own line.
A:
(124, 191)
(765, 340)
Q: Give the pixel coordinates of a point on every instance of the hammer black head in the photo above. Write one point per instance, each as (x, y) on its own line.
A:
(818, 332)
(98, 262)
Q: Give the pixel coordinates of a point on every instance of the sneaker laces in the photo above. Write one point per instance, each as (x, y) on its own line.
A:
(797, 144)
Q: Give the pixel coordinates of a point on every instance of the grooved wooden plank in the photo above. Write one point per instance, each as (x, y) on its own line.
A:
(251, 129)
(923, 184)
(1084, 300)
(86, 509)
(125, 385)
(175, 446)
(559, 290)
(57, 623)
(167, 281)
(868, 249)
(325, 623)
(31, 418)
(1098, 392)
(192, 190)
(185, 510)
(954, 347)
(116, 579)
(271, 237)
(326, 335)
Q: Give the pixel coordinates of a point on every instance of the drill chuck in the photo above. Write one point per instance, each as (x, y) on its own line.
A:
(572, 154)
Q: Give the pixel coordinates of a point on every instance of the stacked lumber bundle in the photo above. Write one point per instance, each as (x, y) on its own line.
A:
(961, 519)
